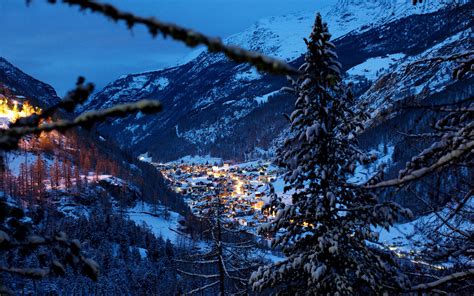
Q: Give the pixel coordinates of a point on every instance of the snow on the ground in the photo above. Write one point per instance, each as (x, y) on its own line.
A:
(143, 214)
(409, 78)
(406, 235)
(272, 257)
(250, 164)
(143, 252)
(13, 161)
(373, 67)
(263, 99)
(249, 75)
(72, 210)
(282, 36)
(145, 157)
(197, 159)
(398, 235)
(363, 172)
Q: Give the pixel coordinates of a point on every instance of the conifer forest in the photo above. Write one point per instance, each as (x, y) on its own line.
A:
(240, 147)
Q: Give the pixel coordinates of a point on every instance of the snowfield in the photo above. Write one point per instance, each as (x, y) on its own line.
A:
(264, 99)
(373, 67)
(156, 220)
(282, 36)
(198, 159)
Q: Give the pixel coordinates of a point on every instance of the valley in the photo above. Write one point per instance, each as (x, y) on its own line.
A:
(351, 174)
(242, 189)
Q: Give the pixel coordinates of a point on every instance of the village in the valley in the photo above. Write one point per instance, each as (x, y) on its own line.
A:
(243, 189)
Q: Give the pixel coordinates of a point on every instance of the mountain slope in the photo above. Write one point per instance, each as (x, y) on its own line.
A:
(213, 106)
(77, 157)
(24, 85)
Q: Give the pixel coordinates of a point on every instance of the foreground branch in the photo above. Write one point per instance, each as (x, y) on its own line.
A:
(10, 137)
(452, 277)
(189, 37)
(446, 159)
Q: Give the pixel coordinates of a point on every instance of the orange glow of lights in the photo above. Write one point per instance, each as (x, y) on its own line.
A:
(11, 111)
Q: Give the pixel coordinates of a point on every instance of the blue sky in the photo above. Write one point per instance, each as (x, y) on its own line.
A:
(56, 43)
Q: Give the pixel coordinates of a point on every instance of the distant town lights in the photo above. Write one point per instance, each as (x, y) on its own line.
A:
(10, 113)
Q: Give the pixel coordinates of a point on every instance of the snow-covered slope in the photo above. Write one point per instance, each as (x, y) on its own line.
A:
(162, 223)
(282, 36)
(213, 106)
(23, 85)
(412, 76)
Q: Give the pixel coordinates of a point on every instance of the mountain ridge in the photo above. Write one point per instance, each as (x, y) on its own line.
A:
(25, 85)
(213, 106)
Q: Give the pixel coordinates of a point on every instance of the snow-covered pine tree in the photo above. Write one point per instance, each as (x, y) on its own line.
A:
(324, 232)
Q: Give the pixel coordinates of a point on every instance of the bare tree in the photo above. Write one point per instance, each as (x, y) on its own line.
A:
(226, 265)
(446, 234)
(37, 124)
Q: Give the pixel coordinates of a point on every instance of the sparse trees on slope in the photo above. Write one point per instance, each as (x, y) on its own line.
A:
(226, 266)
(13, 235)
(324, 232)
(446, 234)
(38, 172)
(55, 174)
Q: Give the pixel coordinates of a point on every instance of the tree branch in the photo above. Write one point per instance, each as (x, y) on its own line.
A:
(189, 37)
(417, 174)
(206, 276)
(452, 277)
(202, 288)
(10, 137)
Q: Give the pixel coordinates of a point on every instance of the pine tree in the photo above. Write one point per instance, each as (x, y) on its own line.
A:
(324, 231)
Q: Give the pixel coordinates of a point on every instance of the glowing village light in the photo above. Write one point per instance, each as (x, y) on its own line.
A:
(10, 113)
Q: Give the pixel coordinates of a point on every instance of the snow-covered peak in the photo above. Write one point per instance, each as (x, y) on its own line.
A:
(282, 36)
(25, 86)
(372, 11)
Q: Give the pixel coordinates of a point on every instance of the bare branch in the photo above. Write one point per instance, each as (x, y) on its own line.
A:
(28, 272)
(196, 262)
(189, 37)
(452, 277)
(459, 206)
(417, 174)
(206, 276)
(10, 137)
(202, 288)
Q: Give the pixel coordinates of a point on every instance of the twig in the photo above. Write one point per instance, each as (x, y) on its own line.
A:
(417, 174)
(189, 37)
(452, 277)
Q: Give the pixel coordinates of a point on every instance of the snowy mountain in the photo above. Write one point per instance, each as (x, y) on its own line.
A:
(116, 209)
(91, 158)
(282, 36)
(213, 106)
(23, 85)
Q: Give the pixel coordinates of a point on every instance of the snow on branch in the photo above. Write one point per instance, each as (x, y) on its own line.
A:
(196, 262)
(206, 276)
(446, 159)
(35, 124)
(452, 277)
(202, 288)
(58, 264)
(189, 37)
